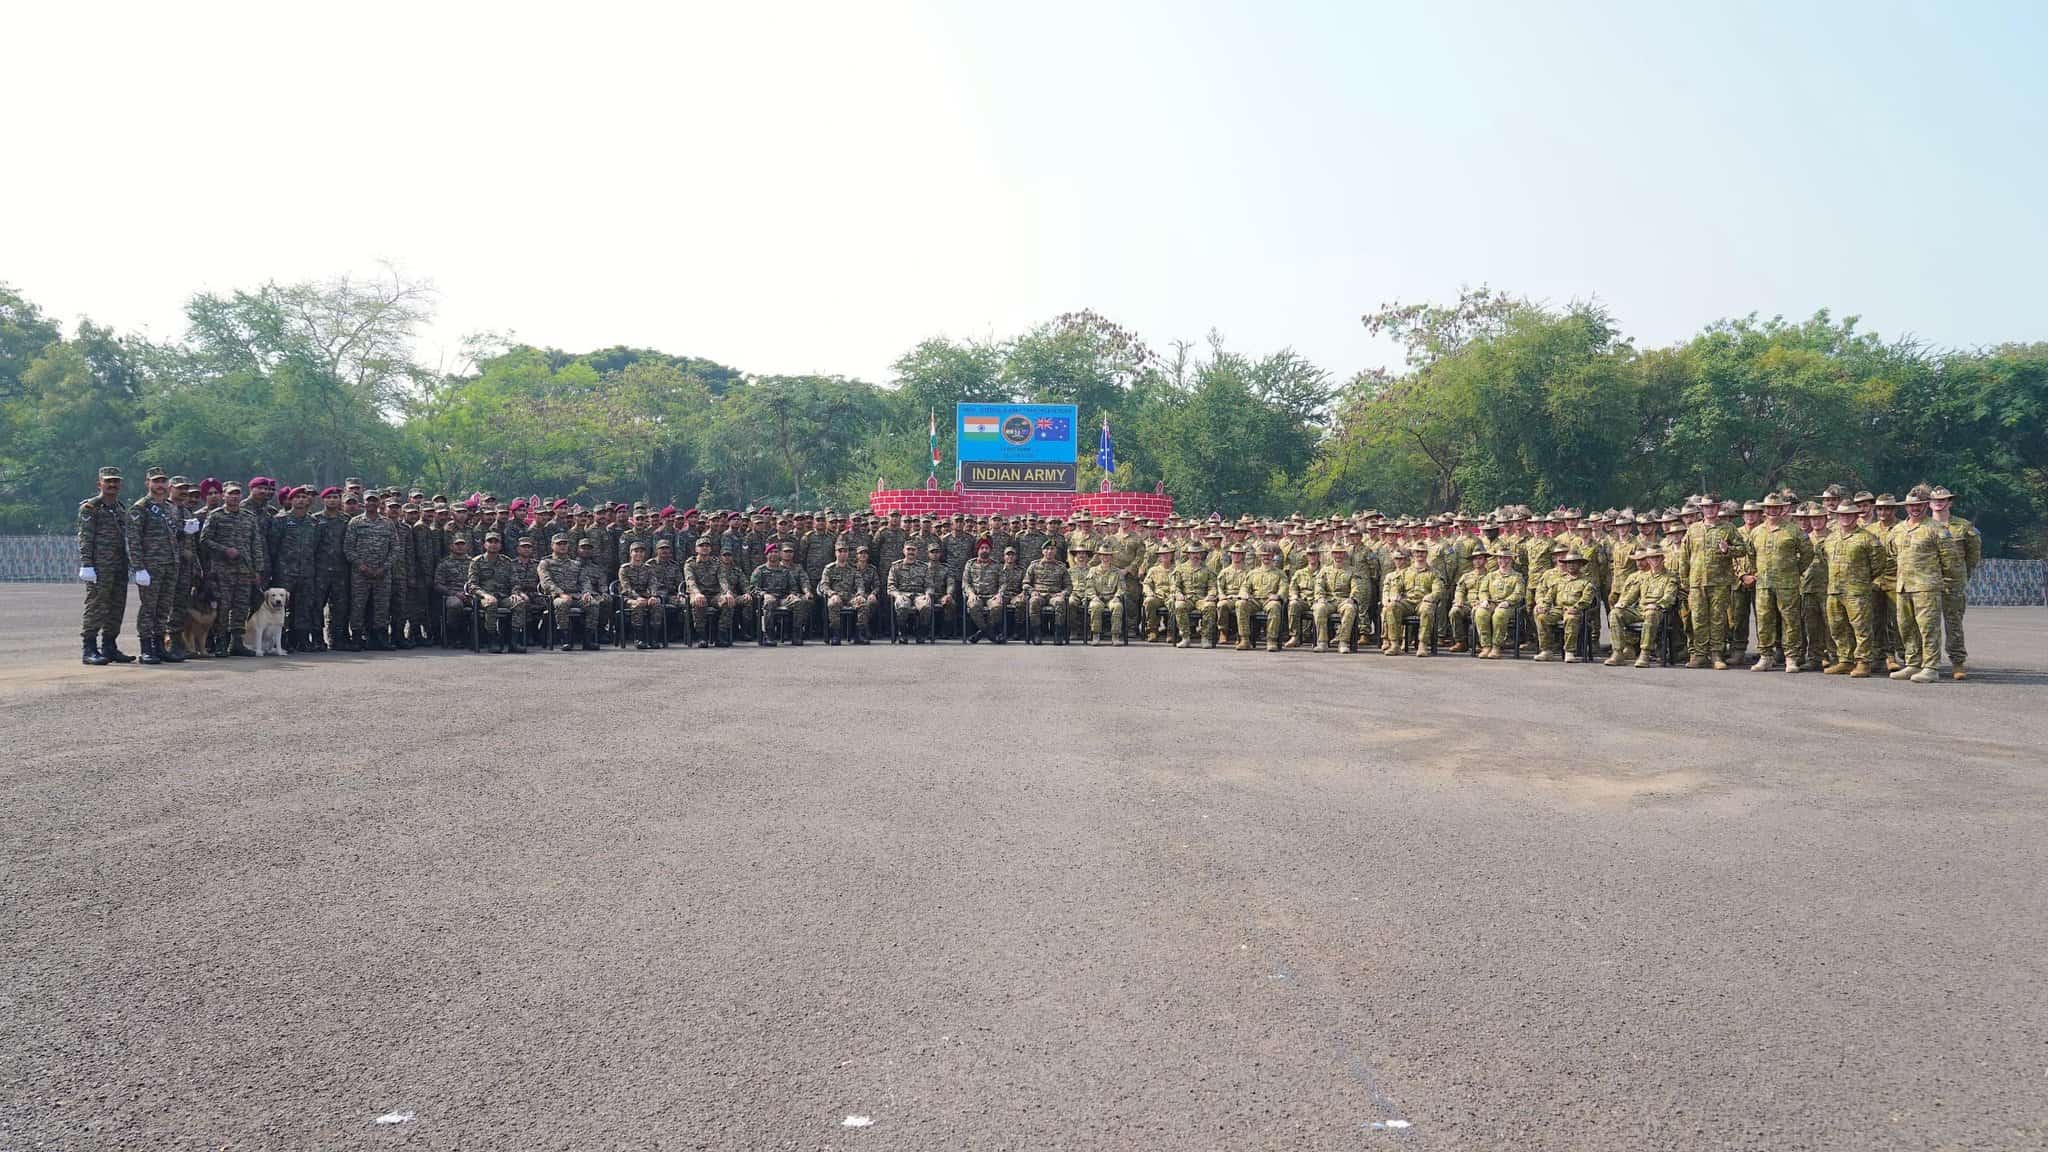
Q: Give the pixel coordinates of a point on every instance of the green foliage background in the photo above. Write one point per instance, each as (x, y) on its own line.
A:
(1501, 399)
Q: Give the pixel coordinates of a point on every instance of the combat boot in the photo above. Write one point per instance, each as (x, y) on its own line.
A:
(1571, 657)
(1891, 664)
(1925, 676)
(1272, 645)
(149, 655)
(1696, 662)
(91, 655)
(1838, 668)
(1344, 649)
(1422, 651)
(1614, 659)
(1764, 663)
(1720, 665)
(1293, 642)
(1321, 647)
(1244, 645)
(112, 651)
(1860, 672)
(238, 648)
(176, 654)
(1643, 661)
(1181, 643)
(1902, 673)
(1458, 646)
(1542, 656)
(1209, 642)
(1957, 673)
(1792, 665)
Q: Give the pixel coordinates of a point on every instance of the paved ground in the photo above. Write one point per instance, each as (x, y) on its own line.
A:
(1017, 898)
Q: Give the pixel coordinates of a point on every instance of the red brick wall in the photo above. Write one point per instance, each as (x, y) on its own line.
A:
(945, 502)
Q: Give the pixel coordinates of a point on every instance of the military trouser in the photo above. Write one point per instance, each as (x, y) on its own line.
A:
(1884, 623)
(1561, 625)
(978, 609)
(701, 608)
(1849, 621)
(1039, 602)
(330, 602)
(565, 603)
(1953, 600)
(1106, 610)
(236, 590)
(106, 599)
(1155, 613)
(181, 595)
(1398, 612)
(302, 612)
(514, 624)
(1920, 628)
(369, 601)
(1461, 620)
(1709, 620)
(1346, 612)
(912, 611)
(1301, 619)
(1780, 623)
(1496, 624)
(398, 594)
(1740, 602)
(1628, 645)
(861, 612)
(153, 604)
(418, 592)
(1814, 612)
(1248, 607)
(1196, 619)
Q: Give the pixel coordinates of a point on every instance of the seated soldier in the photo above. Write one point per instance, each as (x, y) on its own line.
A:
(639, 595)
(910, 590)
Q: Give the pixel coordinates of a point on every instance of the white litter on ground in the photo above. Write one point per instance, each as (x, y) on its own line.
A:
(856, 1121)
(1384, 1124)
(395, 1118)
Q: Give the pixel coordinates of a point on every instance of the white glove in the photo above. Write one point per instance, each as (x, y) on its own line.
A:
(142, 577)
(191, 525)
(89, 574)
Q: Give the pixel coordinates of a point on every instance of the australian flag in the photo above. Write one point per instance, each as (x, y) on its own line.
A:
(1105, 452)
(1053, 429)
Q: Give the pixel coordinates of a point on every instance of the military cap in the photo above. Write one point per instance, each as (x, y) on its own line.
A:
(935, 546)
(1771, 501)
(789, 549)
(1832, 491)
(1482, 550)
(586, 542)
(664, 543)
(1570, 556)
(1751, 506)
(487, 536)
(352, 482)
(1009, 549)
(1940, 493)
(1863, 496)
(1847, 508)
(459, 538)
(351, 498)
(109, 472)
(559, 538)
(637, 546)
(1624, 518)
(1212, 534)
(1914, 498)
(1644, 554)
(1340, 546)
(1236, 549)
(1887, 500)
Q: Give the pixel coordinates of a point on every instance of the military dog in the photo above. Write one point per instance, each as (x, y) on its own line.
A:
(199, 617)
(264, 633)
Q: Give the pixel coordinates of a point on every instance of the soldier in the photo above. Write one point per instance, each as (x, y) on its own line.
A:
(1103, 582)
(1855, 560)
(778, 583)
(1813, 588)
(228, 543)
(1411, 592)
(258, 503)
(1711, 550)
(186, 500)
(1301, 591)
(399, 575)
(103, 566)
(152, 549)
(981, 582)
(1265, 589)
(1781, 553)
(1047, 581)
(450, 581)
(1337, 592)
(842, 587)
(910, 587)
(706, 583)
(1965, 548)
(1233, 603)
(495, 580)
(562, 581)
(293, 549)
(331, 596)
(1465, 596)
(1648, 596)
(1194, 598)
(668, 583)
(367, 546)
(640, 593)
(1923, 555)
(1568, 597)
(1502, 595)
(1156, 605)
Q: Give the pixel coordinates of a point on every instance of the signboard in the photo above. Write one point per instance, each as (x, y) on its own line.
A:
(1015, 447)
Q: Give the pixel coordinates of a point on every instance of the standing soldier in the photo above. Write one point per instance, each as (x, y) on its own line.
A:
(1813, 587)
(187, 501)
(1711, 550)
(229, 543)
(1778, 571)
(331, 569)
(103, 565)
(152, 548)
(1048, 580)
(1965, 548)
(1855, 561)
(1925, 570)
(366, 545)
(293, 560)
(401, 574)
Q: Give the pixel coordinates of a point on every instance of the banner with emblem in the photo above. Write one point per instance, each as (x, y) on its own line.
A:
(1016, 447)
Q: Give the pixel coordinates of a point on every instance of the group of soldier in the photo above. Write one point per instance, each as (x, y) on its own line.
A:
(1847, 584)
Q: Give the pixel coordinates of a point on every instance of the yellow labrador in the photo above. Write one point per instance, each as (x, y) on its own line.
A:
(264, 633)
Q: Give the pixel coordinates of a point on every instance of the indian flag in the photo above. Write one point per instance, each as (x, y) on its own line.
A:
(980, 427)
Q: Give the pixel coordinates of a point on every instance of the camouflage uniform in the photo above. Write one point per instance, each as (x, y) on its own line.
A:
(840, 585)
(292, 563)
(1854, 559)
(705, 577)
(1337, 591)
(103, 547)
(498, 576)
(1711, 552)
(331, 576)
(367, 546)
(1781, 556)
(1924, 573)
(563, 582)
(981, 581)
(1104, 585)
(152, 545)
(1048, 581)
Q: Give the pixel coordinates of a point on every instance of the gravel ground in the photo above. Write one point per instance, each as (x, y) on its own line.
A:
(1016, 898)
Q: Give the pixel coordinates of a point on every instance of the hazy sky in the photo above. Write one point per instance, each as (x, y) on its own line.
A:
(791, 187)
